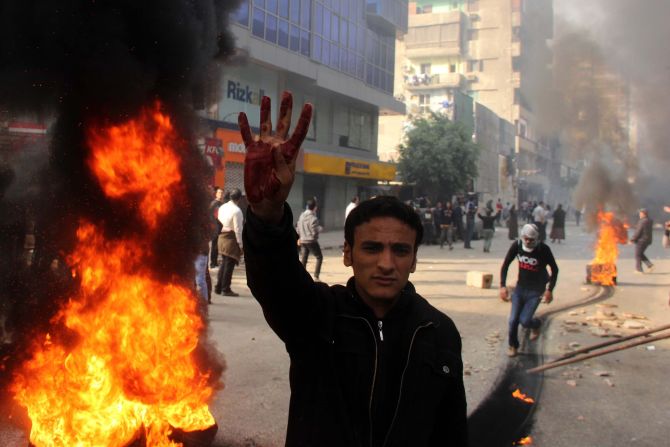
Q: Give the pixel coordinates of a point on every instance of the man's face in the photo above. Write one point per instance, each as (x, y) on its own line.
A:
(219, 194)
(382, 258)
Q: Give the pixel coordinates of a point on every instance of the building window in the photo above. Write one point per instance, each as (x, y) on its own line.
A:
(452, 68)
(473, 5)
(425, 69)
(516, 63)
(241, 16)
(258, 28)
(517, 96)
(473, 34)
(424, 103)
(516, 34)
(517, 5)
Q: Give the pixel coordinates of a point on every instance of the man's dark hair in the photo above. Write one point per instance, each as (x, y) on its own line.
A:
(235, 194)
(382, 206)
(311, 204)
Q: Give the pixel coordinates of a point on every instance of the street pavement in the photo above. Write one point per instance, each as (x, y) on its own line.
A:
(575, 408)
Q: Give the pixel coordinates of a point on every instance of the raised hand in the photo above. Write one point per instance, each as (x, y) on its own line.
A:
(269, 167)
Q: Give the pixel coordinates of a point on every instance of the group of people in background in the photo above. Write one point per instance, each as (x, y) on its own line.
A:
(448, 222)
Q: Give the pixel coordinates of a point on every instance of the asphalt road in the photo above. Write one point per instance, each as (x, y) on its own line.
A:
(575, 408)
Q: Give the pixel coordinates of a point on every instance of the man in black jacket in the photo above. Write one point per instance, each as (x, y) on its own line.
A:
(642, 239)
(372, 363)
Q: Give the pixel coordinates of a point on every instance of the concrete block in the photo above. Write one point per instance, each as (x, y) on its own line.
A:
(481, 280)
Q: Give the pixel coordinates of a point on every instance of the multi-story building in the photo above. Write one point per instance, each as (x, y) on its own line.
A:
(338, 55)
(494, 51)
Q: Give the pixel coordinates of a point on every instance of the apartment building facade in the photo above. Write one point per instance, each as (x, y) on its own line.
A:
(494, 51)
(337, 54)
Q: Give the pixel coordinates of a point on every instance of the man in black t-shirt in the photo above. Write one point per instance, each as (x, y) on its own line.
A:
(534, 283)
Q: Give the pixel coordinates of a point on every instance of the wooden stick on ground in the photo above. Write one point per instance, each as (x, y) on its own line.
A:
(552, 365)
(610, 342)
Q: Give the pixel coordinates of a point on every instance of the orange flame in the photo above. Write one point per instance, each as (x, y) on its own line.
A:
(528, 440)
(126, 359)
(610, 233)
(137, 159)
(517, 394)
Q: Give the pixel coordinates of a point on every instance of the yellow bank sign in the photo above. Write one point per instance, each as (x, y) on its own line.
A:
(344, 167)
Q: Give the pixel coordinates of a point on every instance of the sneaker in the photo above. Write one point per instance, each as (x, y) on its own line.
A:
(511, 351)
(650, 268)
(534, 334)
(230, 293)
(639, 272)
(217, 290)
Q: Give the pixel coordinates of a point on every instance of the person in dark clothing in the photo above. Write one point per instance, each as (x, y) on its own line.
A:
(457, 217)
(513, 224)
(446, 227)
(558, 225)
(213, 215)
(533, 283)
(642, 239)
(488, 228)
(470, 213)
(372, 363)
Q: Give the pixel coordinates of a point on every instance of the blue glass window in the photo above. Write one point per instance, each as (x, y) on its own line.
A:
(334, 56)
(325, 53)
(271, 6)
(352, 36)
(283, 8)
(259, 23)
(318, 19)
(295, 11)
(295, 38)
(305, 13)
(271, 28)
(283, 34)
(344, 8)
(259, 3)
(241, 16)
(351, 69)
(334, 28)
(326, 24)
(316, 48)
(343, 59)
(343, 32)
(304, 42)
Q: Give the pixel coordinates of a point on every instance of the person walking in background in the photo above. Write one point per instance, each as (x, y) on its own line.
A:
(457, 221)
(642, 239)
(488, 228)
(230, 242)
(499, 210)
(446, 229)
(216, 225)
(533, 284)
(470, 213)
(558, 225)
(513, 224)
(438, 219)
(308, 231)
(578, 216)
(539, 216)
(353, 204)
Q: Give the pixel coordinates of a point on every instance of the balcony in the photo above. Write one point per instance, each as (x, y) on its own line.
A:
(432, 82)
(387, 16)
(435, 35)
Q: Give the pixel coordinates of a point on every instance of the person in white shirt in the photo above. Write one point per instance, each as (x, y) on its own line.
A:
(230, 242)
(540, 220)
(351, 206)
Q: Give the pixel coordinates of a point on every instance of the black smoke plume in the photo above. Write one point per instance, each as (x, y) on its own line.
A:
(82, 62)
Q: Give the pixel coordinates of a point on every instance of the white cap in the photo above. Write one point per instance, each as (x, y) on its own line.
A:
(529, 231)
